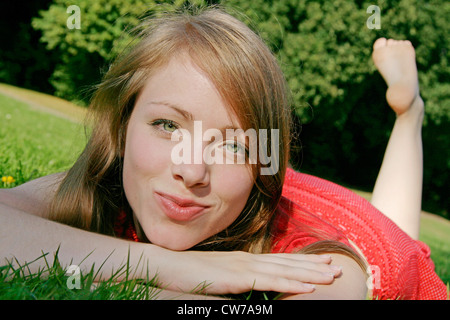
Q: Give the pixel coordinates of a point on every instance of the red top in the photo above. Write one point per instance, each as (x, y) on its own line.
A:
(401, 267)
(312, 209)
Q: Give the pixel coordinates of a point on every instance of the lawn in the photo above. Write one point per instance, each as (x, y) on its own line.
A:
(40, 134)
(35, 142)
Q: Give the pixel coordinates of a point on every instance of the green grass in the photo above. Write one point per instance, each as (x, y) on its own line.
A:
(35, 141)
(42, 101)
(435, 232)
(54, 282)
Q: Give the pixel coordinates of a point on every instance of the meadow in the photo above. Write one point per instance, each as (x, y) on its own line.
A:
(40, 135)
(35, 140)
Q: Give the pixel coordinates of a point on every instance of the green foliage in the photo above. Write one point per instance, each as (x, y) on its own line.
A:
(86, 51)
(82, 52)
(324, 48)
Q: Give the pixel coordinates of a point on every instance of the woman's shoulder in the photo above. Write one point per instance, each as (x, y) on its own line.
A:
(33, 197)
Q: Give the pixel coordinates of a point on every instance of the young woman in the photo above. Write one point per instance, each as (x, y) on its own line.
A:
(224, 222)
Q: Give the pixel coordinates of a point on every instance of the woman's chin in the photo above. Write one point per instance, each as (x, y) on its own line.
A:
(174, 245)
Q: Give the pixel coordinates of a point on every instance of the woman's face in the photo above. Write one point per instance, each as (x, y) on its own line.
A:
(178, 205)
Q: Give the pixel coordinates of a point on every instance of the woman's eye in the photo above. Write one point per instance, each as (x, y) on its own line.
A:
(169, 127)
(165, 125)
(235, 148)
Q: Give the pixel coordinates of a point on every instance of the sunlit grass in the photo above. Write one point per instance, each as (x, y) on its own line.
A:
(53, 282)
(41, 100)
(435, 232)
(34, 143)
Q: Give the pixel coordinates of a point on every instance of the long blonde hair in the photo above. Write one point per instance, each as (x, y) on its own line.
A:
(249, 79)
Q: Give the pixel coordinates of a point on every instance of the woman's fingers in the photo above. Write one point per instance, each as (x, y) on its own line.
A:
(282, 278)
(289, 273)
(312, 266)
(283, 285)
(238, 272)
(320, 258)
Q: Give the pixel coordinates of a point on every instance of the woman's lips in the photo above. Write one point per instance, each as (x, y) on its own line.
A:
(179, 209)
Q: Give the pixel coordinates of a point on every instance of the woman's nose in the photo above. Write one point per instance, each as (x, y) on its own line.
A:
(192, 170)
(189, 164)
(191, 174)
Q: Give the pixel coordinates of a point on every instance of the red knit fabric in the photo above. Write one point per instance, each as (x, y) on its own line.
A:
(124, 227)
(403, 268)
(312, 209)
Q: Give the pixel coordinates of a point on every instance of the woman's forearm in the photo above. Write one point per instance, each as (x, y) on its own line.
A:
(25, 237)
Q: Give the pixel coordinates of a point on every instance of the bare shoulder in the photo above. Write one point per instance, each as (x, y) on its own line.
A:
(32, 197)
(351, 284)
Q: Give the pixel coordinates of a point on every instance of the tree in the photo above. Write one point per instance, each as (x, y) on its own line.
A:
(85, 52)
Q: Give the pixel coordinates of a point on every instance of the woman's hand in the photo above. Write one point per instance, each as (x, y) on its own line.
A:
(238, 272)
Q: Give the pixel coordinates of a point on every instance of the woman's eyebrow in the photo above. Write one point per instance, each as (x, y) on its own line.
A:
(184, 113)
(225, 131)
(189, 116)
